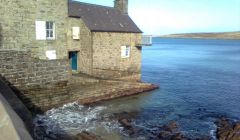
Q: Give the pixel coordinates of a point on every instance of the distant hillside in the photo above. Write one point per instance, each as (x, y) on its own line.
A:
(225, 35)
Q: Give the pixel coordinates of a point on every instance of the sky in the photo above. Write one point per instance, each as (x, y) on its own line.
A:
(159, 17)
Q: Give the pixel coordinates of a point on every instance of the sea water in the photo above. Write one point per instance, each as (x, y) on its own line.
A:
(200, 83)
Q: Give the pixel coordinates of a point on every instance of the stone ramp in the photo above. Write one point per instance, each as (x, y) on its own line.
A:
(82, 79)
(87, 89)
(109, 89)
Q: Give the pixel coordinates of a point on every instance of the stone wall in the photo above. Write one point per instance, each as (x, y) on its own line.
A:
(56, 11)
(107, 60)
(83, 46)
(17, 25)
(39, 83)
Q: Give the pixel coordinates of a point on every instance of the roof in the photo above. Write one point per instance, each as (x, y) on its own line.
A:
(101, 18)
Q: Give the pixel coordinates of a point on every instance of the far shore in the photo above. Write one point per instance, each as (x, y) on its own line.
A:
(224, 35)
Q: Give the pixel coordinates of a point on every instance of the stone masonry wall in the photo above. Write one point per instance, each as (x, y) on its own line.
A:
(83, 46)
(56, 11)
(107, 61)
(17, 26)
(16, 23)
(39, 83)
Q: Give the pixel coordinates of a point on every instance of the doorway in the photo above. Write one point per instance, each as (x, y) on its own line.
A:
(73, 56)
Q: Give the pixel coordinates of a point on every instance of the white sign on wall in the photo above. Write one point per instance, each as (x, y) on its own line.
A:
(51, 54)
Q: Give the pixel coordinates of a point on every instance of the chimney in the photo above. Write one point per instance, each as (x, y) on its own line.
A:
(121, 5)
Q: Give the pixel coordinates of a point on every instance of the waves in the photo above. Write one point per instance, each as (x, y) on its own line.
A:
(72, 119)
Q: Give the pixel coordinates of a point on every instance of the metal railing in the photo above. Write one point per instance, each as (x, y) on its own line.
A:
(147, 40)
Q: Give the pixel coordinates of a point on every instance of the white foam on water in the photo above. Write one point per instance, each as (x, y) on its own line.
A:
(213, 132)
(74, 118)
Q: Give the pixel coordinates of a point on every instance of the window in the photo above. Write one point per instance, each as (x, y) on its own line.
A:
(50, 30)
(125, 51)
(45, 30)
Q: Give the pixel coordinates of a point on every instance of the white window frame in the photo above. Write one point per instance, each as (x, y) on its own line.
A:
(44, 31)
(50, 30)
(125, 51)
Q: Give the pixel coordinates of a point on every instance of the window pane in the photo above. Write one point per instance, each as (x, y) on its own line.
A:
(50, 25)
(50, 30)
(47, 25)
(127, 51)
(51, 33)
(48, 34)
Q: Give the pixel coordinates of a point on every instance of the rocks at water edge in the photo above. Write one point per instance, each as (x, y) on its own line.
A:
(87, 136)
(125, 119)
(228, 130)
(127, 124)
(170, 132)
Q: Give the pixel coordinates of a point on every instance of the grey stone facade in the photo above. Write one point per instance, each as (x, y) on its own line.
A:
(99, 53)
(107, 60)
(17, 26)
(83, 45)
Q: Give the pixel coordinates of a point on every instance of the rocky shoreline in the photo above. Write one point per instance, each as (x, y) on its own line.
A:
(226, 130)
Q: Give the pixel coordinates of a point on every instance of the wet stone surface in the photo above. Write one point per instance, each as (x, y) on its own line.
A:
(227, 129)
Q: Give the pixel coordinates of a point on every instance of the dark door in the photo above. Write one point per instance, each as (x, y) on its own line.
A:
(73, 59)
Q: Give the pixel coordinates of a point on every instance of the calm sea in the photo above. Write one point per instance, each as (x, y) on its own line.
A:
(199, 80)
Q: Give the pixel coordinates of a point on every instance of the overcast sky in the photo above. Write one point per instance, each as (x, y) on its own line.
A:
(158, 17)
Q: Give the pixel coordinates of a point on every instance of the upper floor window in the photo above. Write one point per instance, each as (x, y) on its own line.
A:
(125, 51)
(50, 30)
(45, 30)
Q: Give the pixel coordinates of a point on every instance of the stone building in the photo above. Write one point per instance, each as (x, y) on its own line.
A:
(108, 45)
(44, 42)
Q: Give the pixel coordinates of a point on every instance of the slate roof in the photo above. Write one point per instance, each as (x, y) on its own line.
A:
(102, 18)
